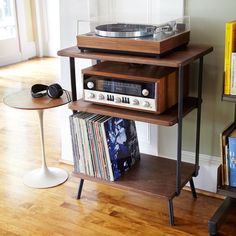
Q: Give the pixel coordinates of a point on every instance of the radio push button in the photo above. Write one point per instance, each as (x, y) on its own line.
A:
(90, 85)
(117, 100)
(125, 100)
(110, 98)
(146, 104)
(135, 102)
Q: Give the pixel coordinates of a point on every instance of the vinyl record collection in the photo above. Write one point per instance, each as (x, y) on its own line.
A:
(103, 146)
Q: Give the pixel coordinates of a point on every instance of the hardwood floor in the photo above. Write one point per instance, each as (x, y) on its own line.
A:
(55, 211)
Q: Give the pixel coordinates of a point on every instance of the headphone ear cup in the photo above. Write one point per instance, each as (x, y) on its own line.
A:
(54, 91)
(39, 90)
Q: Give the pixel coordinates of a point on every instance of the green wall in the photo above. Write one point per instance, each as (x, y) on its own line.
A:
(208, 20)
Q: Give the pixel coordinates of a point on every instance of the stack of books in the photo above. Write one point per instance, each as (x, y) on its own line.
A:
(230, 59)
(104, 147)
(228, 145)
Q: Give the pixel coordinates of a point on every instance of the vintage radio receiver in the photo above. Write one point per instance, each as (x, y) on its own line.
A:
(141, 87)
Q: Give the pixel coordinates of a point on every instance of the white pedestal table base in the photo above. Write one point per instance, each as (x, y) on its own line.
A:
(45, 177)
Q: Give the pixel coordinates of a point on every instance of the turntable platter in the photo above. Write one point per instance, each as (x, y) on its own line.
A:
(121, 30)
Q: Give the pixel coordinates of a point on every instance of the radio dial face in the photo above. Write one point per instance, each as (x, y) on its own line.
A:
(90, 84)
(135, 102)
(146, 104)
(117, 100)
(145, 92)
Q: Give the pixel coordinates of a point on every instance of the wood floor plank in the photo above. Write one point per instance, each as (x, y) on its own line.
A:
(102, 210)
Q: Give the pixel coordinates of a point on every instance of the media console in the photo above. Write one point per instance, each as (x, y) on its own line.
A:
(158, 176)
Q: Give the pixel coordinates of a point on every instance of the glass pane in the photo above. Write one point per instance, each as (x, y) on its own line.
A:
(7, 19)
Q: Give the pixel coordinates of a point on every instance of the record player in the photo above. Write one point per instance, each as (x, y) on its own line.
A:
(141, 39)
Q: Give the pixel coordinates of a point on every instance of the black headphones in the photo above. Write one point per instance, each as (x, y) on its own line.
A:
(40, 90)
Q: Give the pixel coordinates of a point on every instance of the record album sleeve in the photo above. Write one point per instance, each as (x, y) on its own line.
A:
(122, 144)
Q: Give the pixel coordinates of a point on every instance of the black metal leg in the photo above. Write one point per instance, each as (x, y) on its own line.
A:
(180, 121)
(80, 188)
(193, 188)
(73, 78)
(199, 95)
(171, 212)
(218, 218)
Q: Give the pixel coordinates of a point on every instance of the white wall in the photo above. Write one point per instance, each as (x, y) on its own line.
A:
(142, 11)
(53, 27)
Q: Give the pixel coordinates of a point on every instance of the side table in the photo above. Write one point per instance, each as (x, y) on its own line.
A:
(44, 177)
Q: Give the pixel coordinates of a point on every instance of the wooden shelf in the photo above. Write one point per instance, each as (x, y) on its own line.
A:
(229, 98)
(176, 58)
(152, 175)
(226, 190)
(168, 118)
(222, 188)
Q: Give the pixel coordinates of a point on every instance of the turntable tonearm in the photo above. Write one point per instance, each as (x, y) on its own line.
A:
(138, 39)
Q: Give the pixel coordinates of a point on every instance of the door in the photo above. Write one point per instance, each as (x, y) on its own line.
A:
(9, 39)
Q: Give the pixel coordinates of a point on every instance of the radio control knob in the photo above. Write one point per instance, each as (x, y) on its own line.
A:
(117, 100)
(101, 97)
(91, 95)
(90, 84)
(145, 92)
(135, 102)
(146, 104)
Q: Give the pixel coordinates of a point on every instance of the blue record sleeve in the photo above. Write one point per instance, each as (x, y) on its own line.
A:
(122, 142)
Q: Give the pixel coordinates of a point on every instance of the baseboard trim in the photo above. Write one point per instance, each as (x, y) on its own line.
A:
(207, 177)
(205, 193)
(66, 162)
(204, 159)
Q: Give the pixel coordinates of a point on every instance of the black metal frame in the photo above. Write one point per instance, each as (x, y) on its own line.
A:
(171, 211)
(180, 124)
(199, 111)
(73, 79)
(74, 98)
(80, 188)
(218, 218)
(179, 141)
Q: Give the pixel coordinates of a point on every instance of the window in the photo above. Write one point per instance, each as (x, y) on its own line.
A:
(7, 19)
